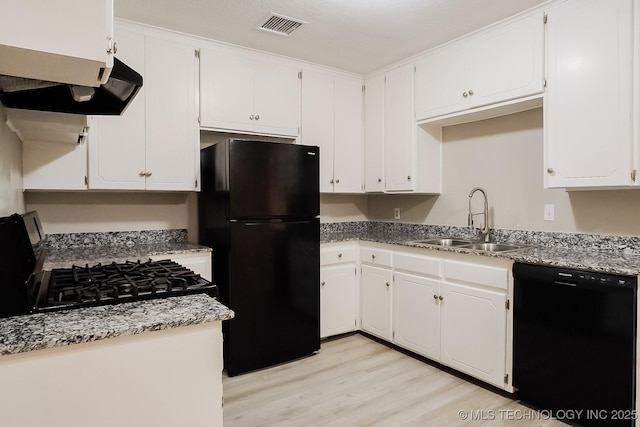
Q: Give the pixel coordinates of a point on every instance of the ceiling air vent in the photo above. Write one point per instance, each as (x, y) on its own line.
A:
(280, 24)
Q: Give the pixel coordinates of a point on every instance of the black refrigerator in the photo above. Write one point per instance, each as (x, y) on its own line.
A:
(259, 210)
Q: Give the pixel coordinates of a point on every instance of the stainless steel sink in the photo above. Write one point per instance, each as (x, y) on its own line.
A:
(472, 245)
(491, 247)
(442, 242)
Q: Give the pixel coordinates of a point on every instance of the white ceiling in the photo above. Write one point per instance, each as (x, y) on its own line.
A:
(354, 35)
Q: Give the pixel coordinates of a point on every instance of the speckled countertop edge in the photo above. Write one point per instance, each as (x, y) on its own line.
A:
(40, 331)
(553, 249)
(54, 329)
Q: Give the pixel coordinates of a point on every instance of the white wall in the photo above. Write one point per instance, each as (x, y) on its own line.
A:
(504, 156)
(71, 212)
(11, 200)
(343, 207)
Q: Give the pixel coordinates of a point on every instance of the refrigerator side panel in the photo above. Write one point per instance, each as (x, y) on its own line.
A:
(274, 289)
(269, 180)
(213, 200)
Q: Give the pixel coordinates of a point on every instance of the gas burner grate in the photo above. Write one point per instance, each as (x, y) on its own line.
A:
(120, 282)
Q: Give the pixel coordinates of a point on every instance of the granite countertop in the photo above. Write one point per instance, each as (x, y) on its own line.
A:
(606, 254)
(604, 261)
(39, 331)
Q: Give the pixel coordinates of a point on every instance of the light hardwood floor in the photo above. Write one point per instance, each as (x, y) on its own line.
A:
(356, 381)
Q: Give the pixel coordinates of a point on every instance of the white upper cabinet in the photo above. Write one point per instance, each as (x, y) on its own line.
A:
(412, 154)
(348, 137)
(374, 134)
(55, 165)
(65, 41)
(248, 93)
(494, 66)
(332, 118)
(588, 107)
(154, 144)
(399, 130)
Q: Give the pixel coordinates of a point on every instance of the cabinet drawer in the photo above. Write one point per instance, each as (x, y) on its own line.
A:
(338, 255)
(375, 256)
(475, 273)
(417, 264)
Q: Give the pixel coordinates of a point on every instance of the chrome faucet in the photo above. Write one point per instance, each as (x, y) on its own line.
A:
(485, 228)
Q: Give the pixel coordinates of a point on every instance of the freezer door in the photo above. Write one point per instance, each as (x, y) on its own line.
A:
(274, 290)
(273, 180)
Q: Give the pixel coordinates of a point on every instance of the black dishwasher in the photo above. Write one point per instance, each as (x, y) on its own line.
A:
(574, 343)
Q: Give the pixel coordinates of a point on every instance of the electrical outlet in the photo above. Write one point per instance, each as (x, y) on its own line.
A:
(396, 213)
(549, 212)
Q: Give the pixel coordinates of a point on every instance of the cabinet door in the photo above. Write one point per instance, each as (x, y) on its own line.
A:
(374, 134)
(317, 121)
(337, 299)
(348, 135)
(399, 129)
(172, 134)
(64, 41)
(473, 331)
(441, 79)
(375, 291)
(226, 90)
(588, 120)
(416, 314)
(507, 62)
(54, 166)
(117, 143)
(276, 98)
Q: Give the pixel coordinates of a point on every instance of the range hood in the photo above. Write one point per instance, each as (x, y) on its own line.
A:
(110, 98)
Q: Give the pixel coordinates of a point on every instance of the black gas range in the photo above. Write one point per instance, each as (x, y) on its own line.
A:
(26, 288)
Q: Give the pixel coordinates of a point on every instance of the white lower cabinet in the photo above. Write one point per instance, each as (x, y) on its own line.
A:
(338, 290)
(449, 307)
(473, 331)
(416, 314)
(375, 308)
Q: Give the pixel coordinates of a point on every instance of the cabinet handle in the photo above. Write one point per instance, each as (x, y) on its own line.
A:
(379, 179)
(251, 117)
(435, 297)
(550, 171)
(373, 256)
(440, 297)
(465, 94)
(339, 255)
(409, 178)
(331, 182)
(337, 181)
(470, 92)
(387, 284)
(148, 174)
(321, 283)
(257, 117)
(143, 173)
